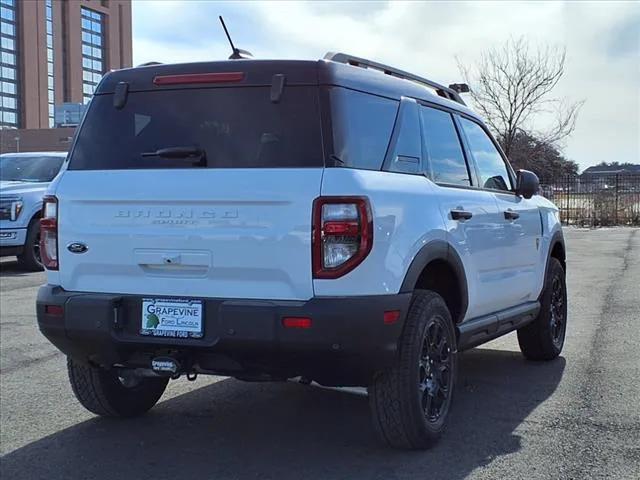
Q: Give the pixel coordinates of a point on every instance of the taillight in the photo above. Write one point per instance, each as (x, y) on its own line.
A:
(342, 235)
(49, 233)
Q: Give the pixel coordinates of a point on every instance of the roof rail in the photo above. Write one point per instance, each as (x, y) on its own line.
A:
(441, 90)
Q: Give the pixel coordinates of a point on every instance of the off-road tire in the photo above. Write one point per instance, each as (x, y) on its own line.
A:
(28, 260)
(100, 391)
(397, 396)
(543, 338)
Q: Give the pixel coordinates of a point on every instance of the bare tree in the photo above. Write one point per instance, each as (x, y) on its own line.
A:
(512, 83)
(541, 157)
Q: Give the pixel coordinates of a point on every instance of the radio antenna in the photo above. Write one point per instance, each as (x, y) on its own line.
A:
(237, 53)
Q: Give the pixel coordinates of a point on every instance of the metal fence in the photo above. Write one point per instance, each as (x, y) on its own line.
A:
(596, 201)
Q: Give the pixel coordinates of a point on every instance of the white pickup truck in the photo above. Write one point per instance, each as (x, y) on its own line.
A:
(24, 179)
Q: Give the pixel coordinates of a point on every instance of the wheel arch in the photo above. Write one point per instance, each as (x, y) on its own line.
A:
(34, 214)
(557, 249)
(37, 215)
(34, 219)
(438, 260)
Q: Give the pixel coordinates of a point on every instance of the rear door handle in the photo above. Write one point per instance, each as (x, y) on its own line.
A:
(511, 215)
(458, 214)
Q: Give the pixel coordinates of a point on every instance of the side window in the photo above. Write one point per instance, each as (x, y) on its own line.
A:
(491, 167)
(443, 148)
(406, 150)
(361, 126)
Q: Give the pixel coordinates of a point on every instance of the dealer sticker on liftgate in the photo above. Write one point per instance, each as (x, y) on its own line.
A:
(171, 317)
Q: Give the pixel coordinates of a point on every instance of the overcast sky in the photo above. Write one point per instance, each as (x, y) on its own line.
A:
(602, 41)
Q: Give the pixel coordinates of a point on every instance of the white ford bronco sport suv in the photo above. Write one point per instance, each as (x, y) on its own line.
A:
(338, 221)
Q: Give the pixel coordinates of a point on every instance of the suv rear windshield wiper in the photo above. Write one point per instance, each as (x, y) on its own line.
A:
(177, 153)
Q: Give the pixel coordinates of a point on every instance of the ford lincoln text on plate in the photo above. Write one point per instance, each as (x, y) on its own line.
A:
(24, 179)
(336, 220)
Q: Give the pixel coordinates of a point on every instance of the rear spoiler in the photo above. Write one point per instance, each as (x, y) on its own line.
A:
(254, 73)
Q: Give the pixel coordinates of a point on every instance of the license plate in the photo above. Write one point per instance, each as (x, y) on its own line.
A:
(171, 317)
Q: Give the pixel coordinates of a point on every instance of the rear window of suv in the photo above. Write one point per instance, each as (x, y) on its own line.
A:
(235, 128)
(361, 125)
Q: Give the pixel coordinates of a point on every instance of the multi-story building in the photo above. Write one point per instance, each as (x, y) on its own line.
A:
(54, 52)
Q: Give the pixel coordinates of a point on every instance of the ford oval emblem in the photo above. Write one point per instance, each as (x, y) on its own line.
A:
(77, 247)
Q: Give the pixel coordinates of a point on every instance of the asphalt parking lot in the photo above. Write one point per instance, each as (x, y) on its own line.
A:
(575, 417)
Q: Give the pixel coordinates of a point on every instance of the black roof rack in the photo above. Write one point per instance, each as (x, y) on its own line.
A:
(441, 90)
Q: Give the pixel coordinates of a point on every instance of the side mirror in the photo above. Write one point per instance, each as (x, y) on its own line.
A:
(527, 183)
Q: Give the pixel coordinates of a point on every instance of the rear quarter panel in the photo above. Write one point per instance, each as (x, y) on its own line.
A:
(404, 220)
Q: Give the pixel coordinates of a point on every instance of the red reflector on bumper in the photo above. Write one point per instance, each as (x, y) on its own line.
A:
(296, 322)
(55, 310)
(391, 317)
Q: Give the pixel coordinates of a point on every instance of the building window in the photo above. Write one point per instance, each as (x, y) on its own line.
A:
(92, 51)
(9, 104)
(50, 74)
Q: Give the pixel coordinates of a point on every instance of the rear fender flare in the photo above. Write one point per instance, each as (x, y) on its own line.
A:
(438, 250)
(556, 239)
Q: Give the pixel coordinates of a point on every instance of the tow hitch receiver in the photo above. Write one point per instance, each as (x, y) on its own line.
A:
(165, 366)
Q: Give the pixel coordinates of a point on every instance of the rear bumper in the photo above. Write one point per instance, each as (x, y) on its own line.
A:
(346, 344)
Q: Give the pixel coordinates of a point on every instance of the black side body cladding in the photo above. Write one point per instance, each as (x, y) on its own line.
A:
(476, 331)
(557, 239)
(480, 330)
(437, 250)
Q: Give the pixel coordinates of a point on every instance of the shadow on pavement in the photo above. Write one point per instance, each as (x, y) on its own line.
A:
(12, 269)
(232, 429)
